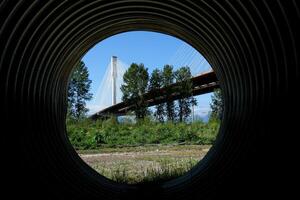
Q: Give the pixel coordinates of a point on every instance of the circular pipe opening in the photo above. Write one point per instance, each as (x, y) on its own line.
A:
(153, 148)
(252, 47)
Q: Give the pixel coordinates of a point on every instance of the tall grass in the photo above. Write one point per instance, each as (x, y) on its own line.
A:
(169, 169)
(163, 169)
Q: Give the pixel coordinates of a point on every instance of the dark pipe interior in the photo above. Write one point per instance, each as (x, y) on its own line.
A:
(253, 47)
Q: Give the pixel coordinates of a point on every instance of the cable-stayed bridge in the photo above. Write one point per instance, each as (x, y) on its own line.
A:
(202, 84)
(110, 94)
(108, 98)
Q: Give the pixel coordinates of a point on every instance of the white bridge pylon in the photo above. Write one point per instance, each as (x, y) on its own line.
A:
(109, 92)
(114, 76)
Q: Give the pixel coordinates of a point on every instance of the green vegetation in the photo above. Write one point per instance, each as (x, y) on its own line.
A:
(135, 85)
(168, 79)
(183, 76)
(88, 134)
(149, 148)
(137, 82)
(78, 92)
(217, 105)
(155, 84)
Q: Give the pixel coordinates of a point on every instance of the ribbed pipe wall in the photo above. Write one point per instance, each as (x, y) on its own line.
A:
(253, 47)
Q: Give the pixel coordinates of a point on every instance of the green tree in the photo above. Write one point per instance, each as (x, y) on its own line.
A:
(156, 82)
(185, 87)
(78, 92)
(217, 105)
(135, 85)
(168, 79)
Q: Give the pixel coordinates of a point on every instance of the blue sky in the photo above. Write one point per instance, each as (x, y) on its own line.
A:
(152, 49)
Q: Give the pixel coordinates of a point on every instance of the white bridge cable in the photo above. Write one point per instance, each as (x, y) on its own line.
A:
(103, 97)
(185, 55)
(105, 87)
(188, 56)
(121, 69)
(178, 55)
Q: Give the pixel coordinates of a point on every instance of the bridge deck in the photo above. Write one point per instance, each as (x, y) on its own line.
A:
(202, 84)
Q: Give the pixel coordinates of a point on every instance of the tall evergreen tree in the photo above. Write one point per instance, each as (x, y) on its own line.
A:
(78, 91)
(168, 79)
(183, 78)
(217, 105)
(156, 82)
(135, 85)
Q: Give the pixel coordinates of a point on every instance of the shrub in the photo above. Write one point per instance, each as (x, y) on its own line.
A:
(87, 134)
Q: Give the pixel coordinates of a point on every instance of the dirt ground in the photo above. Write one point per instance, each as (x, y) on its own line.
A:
(186, 151)
(135, 163)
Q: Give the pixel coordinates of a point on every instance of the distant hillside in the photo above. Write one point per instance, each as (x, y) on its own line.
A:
(204, 117)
